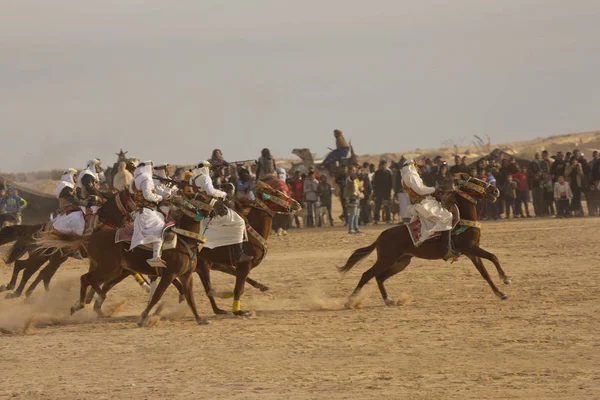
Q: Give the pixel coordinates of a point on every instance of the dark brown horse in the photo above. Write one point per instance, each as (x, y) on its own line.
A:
(259, 217)
(395, 248)
(114, 213)
(109, 259)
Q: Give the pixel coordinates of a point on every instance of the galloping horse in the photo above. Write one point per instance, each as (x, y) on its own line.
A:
(395, 247)
(259, 218)
(114, 213)
(108, 260)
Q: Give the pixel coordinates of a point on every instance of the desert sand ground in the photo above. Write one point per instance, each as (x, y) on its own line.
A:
(449, 337)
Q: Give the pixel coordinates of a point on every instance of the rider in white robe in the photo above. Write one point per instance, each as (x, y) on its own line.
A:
(148, 222)
(227, 230)
(162, 188)
(69, 217)
(433, 216)
(88, 182)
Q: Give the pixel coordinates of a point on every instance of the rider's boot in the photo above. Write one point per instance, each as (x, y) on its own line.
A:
(156, 261)
(240, 256)
(447, 249)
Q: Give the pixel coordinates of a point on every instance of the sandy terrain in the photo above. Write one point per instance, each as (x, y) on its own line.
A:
(450, 338)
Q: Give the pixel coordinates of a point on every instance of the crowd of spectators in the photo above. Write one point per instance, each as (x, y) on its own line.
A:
(369, 194)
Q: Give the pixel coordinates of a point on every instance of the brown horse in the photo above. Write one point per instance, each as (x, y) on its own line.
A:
(259, 218)
(395, 248)
(108, 260)
(114, 213)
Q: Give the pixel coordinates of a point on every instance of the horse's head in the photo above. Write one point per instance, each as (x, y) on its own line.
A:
(277, 201)
(478, 189)
(117, 208)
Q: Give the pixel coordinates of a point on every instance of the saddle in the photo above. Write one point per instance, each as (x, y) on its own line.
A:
(125, 234)
(414, 227)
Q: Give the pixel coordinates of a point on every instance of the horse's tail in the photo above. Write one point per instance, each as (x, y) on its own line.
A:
(16, 251)
(51, 242)
(357, 256)
(11, 233)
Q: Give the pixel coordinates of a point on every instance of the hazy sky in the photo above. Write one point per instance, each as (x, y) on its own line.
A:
(171, 80)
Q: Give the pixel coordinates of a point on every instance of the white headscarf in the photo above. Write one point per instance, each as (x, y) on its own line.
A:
(281, 174)
(203, 168)
(160, 170)
(409, 168)
(66, 180)
(90, 170)
(142, 172)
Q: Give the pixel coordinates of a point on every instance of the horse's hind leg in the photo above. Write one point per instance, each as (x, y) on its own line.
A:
(228, 269)
(478, 251)
(242, 272)
(18, 267)
(203, 270)
(46, 273)
(372, 272)
(398, 266)
(30, 269)
(187, 283)
(105, 288)
(481, 268)
(163, 284)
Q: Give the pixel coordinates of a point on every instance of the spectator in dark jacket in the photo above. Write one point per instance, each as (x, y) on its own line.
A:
(382, 189)
(365, 206)
(459, 166)
(535, 177)
(325, 192)
(558, 167)
(340, 180)
(510, 195)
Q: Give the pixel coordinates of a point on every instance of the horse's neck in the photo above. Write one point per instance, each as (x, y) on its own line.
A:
(109, 212)
(261, 222)
(468, 210)
(189, 224)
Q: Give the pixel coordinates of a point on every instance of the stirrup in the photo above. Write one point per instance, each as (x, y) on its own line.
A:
(156, 262)
(451, 255)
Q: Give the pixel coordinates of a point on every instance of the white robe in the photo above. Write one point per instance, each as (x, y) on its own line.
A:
(70, 223)
(88, 171)
(222, 231)
(73, 222)
(433, 217)
(148, 224)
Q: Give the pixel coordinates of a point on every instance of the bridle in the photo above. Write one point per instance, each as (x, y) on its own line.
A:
(273, 199)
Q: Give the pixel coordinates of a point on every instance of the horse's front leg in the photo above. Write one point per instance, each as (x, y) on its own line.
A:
(481, 268)
(479, 252)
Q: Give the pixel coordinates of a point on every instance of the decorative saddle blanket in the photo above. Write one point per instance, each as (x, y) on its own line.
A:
(414, 227)
(125, 234)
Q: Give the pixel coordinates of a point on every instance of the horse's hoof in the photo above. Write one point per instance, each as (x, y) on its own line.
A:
(201, 321)
(13, 295)
(264, 288)
(140, 324)
(241, 313)
(76, 308)
(3, 288)
(503, 296)
(390, 302)
(218, 311)
(506, 281)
